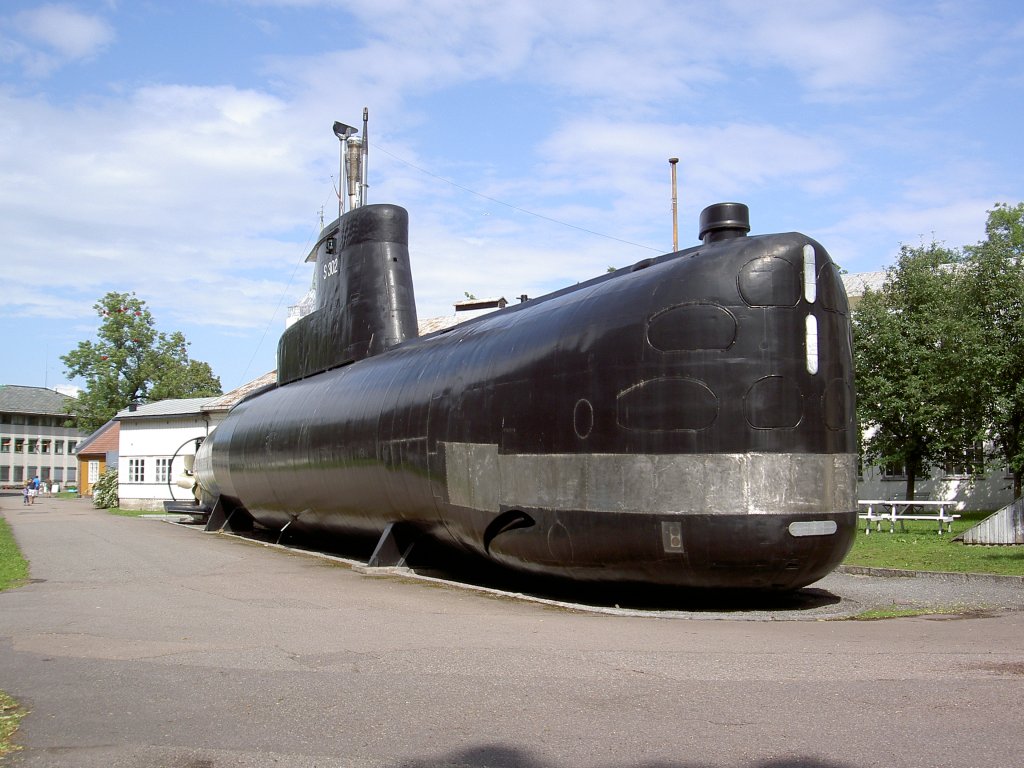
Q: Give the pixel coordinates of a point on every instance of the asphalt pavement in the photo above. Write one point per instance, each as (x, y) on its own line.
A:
(141, 643)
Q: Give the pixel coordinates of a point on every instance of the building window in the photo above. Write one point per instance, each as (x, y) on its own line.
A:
(19, 474)
(163, 470)
(94, 471)
(5, 474)
(968, 462)
(72, 474)
(44, 475)
(894, 471)
(33, 445)
(5, 445)
(44, 446)
(19, 445)
(71, 446)
(58, 446)
(58, 474)
(136, 470)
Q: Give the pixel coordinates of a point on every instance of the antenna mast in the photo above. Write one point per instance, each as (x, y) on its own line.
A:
(366, 154)
(354, 157)
(675, 208)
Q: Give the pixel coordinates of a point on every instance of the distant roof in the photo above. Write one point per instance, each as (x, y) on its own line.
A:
(17, 399)
(188, 406)
(432, 324)
(102, 441)
(498, 302)
(464, 310)
(858, 282)
(229, 400)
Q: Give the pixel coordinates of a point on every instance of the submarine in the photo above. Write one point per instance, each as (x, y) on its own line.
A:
(686, 421)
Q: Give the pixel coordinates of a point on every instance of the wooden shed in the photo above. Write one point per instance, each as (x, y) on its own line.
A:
(1004, 527)
(95, 454)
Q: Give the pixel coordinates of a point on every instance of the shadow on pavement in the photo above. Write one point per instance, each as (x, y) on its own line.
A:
(501, 756)
(451, 565)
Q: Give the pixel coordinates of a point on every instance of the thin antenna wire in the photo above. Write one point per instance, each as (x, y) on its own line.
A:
(515, 207)
(280, 300)
(457, 186)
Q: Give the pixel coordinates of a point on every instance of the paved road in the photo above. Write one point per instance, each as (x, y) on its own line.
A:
(144, 644)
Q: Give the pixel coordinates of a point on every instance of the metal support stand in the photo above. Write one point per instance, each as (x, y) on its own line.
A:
(394, 547)
(237, 520)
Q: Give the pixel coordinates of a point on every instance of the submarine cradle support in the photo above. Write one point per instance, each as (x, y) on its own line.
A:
(686, 421)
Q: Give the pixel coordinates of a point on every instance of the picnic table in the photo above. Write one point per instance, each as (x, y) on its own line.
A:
(896, 510)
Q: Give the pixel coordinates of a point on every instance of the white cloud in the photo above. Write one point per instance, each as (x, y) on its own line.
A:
(166, 190)
(834, 48)
(203, 198)
(47, 37)
(719, 160)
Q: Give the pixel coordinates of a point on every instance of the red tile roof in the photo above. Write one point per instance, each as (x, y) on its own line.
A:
(101, 442)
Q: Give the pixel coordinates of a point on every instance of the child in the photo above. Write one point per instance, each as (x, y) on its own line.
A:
(24, 494)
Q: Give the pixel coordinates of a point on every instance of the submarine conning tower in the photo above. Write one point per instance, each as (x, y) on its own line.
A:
(364, 294)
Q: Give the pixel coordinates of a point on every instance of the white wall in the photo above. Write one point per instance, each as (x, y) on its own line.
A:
(989, 492)
(148, 440)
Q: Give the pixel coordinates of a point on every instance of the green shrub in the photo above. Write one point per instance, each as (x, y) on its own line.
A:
(104, 490)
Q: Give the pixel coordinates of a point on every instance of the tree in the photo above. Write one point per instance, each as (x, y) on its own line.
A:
(916, 362)
(132, 362)
(996, 266)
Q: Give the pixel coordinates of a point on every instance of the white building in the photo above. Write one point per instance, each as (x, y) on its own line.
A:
(34, 437)
(155, 439)
(153, 442)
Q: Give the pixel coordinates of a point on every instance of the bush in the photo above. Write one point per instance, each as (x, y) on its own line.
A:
(104, 490)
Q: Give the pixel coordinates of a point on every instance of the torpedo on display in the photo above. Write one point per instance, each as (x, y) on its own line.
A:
(685, 421)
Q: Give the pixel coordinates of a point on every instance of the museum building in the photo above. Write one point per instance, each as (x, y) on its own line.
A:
(35, 438)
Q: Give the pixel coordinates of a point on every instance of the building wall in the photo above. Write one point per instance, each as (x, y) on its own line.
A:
(147, 459)
(84, 482)
(991, 491)
(33, 444)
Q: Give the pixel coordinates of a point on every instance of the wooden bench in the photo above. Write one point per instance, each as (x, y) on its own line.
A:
(895, 510)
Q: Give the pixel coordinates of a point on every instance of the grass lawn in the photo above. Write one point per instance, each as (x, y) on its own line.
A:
(920, 548)
(13, 567)
(131, 512)
(10, 716)
(13, 572)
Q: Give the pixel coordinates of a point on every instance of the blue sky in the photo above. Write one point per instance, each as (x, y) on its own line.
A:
(183, 150)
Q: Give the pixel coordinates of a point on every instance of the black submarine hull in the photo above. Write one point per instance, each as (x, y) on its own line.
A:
(687, 421)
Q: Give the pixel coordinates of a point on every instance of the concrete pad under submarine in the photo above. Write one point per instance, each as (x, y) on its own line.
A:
(686, 421)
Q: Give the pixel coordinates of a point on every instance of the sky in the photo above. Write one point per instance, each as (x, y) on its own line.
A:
(184, 150)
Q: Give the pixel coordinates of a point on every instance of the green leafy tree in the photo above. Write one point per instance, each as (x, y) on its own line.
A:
(996, 266)
(915, 344)
(131, 361)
